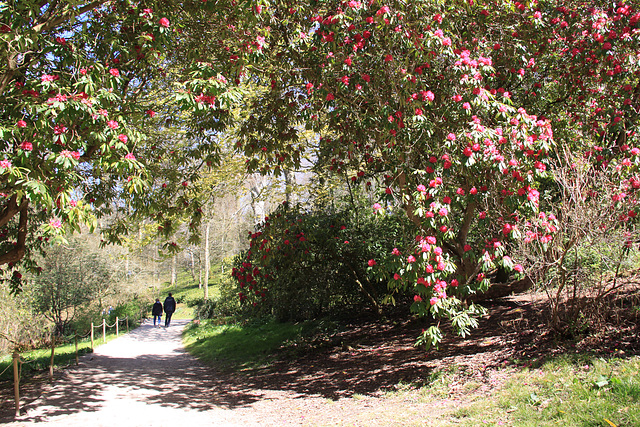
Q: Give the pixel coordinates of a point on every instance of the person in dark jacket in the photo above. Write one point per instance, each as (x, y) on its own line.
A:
(169, 308)
(156, 312)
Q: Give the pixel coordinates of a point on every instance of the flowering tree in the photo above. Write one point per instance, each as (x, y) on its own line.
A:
(69, 128)
(81, 86)
(451, 111)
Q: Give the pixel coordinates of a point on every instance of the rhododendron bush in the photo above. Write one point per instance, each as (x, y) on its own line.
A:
(453, 112)
(307, 264)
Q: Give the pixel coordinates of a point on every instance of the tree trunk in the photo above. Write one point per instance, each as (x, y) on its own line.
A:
(207, 263)
(499, 290)
(193, 266)
(174, 261)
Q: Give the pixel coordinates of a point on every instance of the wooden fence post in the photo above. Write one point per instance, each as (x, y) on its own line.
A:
(16, 381)
(76, 340)
(104, 331)
(91, 337)
(117, 329)
(53, 350)
(127, 324)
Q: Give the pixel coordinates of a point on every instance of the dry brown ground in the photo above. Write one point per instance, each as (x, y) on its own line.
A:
(146, 378)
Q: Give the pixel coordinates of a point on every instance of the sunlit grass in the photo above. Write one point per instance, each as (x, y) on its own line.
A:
(565, 391)
(186, 290)
(236, 346)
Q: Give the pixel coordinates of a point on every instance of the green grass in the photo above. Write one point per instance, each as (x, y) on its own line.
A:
(578, 391)
(238, 347)
(65, 355)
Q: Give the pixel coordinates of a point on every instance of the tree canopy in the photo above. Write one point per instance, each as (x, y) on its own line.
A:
(452, 111)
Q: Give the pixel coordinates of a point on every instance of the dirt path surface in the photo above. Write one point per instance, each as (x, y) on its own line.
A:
(146, 378)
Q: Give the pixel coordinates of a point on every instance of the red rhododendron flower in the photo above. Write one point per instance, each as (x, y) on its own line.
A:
(164, 22)
(371, 262)
(114, 72)
(21, 124)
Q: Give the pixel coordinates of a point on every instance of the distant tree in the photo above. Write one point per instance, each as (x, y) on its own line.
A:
(72, 277)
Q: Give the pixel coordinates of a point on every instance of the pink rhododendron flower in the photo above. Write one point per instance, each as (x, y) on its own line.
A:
(21, 124)
(112, 124)
(5, 164)
(26, 146)
(130, 156)
(411, 259)
(123, 138)
(114, 72)
(164, 22)
(371, 262)
(55, 223)
(59, 129)
(417, 298)
(433, 300)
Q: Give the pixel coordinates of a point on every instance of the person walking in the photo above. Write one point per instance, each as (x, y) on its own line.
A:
(169, 308)
(156, 312)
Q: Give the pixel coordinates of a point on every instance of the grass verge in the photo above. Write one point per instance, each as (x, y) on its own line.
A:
(236, 346)
(38, 360)
(567, 391)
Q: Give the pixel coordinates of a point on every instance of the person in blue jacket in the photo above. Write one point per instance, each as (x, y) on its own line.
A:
(169, 308)
(156, 312)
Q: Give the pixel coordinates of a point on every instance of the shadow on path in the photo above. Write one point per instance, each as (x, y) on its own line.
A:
(147, 366)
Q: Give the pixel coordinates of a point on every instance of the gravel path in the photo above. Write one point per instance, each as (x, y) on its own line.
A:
(141, 379)
(146, 378)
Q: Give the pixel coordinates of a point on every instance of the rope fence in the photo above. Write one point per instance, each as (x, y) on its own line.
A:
(19, 361)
